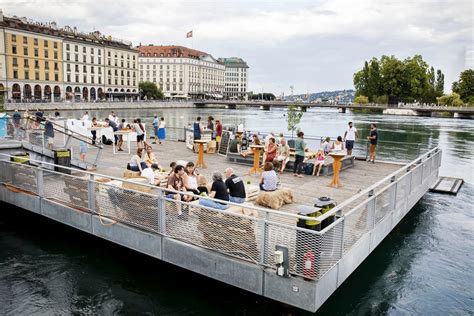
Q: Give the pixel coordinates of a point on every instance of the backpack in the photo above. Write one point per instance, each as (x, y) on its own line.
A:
(308, 168)
(106, 141)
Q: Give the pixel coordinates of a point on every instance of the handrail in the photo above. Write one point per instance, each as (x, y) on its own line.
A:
(374, 186)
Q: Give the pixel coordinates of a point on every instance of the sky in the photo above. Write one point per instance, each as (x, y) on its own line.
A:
(310, 45)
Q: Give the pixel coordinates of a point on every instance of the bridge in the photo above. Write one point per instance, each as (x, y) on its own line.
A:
(414, 110)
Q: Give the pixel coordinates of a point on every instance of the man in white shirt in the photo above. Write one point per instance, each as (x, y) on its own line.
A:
(349, 137)
(150, 173)
(86, 116)
(113, 117)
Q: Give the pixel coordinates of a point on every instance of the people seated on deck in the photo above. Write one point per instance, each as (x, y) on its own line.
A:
(172, 166)
(271, 151)
(255, 141)
(150, 173)
(149, 157)
(190, 178)
(326, 145)
(175, 182)
(338, 145)
(202, 185)
(269, 178)
(136, 163)
(218, 192)
(235, 185)
(283, 155)
(318, 165)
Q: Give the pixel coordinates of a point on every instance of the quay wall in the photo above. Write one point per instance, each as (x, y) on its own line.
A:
(100, 105)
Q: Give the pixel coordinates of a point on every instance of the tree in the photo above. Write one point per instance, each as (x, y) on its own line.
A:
(439, 88)
(361, 99)
(150, 91)
(293, 118)
(452, 99)
(465, 85)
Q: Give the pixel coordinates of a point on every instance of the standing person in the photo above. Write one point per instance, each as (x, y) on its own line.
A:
(155, 128)
(197, 128)
(94, 133)
(114, 128)
(140, 132)
(85, 117)
(300, 148)
(235, 185)
(49, 134)
(210, 126)
(349, 137)
(218, 132)
(373, 138)
(218, 192)
(120, 127)
(161, 130)
(82, 150)
(113, 117)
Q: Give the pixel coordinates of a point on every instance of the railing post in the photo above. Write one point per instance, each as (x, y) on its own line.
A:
(264, 232)
(97, 157)
(39, 181)
(91, 193)
(371, 209)
(393, 193)
(162, 213)
(68, 140)
(343, 223)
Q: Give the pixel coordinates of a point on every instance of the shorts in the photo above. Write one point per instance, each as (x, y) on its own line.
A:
(140, 138)
(372, 148)
(349, 144)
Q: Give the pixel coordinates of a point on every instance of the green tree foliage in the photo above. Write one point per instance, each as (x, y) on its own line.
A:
(452, 99)
(361, 99)
(465, 86)
(150, 91)
(293, 118)
(394, 80)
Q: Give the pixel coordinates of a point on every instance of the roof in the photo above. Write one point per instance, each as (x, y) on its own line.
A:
(170, 51)
(65, 32)
(233, 62)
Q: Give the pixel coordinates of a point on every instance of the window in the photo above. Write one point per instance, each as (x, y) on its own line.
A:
(116, 81)
(13, 49)
(15, 74)
(37, 75)
(56, 77)
(108, 54)
(100, 70)
(92, 70)
(77, 57)
(46, 65)
(92, 79)
(15, 62)
(110, 81)
(100, 80)
(35, 42)
(84, 58)
(76, 48)
(68, 67)
(99, 52)
(68, 78)
(85, 79)
(14, 38)
(68, 57)
(56, 67)
(77, 78)
(55, 44)
(92, 59)
(76, 68)
(37, 64)
(84, 49)
(25, 51)
(45, 43)
(45, 53)
(25, 40)
(55, 55)
(46, 76)
(84, 69)
(67, 46)
(99, 60)
(36, 52)
(25, 63)
(121, 64)
(27, 74)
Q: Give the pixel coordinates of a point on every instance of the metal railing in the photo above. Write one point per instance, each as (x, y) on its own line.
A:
(31, 133)
(244, 231)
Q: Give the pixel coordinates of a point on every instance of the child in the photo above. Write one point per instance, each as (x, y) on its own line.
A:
(319, 162)
(82, 150)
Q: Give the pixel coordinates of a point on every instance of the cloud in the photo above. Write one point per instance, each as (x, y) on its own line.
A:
(313, 45)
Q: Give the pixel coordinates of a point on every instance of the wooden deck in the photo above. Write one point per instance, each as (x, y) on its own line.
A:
(305, 190)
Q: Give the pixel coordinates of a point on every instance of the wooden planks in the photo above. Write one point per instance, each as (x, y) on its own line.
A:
(447, 185)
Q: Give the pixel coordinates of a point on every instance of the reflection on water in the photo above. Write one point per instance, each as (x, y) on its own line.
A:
(422, 267)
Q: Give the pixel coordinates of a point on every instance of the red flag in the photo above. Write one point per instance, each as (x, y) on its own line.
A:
(189, 34)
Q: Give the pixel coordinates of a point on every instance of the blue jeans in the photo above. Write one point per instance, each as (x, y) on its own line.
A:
(212, 204)
(135, 168)
(236, 199)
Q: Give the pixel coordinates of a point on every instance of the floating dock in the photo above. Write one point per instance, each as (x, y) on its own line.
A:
(236, 246)
(447, 185)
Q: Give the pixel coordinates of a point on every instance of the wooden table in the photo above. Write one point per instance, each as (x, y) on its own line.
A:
(200, 162)
(256, 159)
(337, 157)
(123, 132)
(307, 154)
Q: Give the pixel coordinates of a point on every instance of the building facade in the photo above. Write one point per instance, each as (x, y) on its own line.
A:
(181, 72)
(44, 63)
(236, 78)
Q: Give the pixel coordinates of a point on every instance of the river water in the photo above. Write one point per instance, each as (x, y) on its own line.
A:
(423, 267)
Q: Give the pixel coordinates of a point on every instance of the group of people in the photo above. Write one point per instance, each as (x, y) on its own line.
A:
(215, 129)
